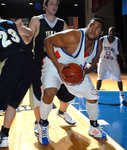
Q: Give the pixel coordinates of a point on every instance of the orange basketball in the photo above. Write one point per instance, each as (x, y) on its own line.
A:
(73, 74)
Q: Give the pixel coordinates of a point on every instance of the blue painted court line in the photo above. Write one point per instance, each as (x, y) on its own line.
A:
(109, 110)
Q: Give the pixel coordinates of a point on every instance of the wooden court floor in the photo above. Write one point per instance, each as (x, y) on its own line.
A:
(62, 135)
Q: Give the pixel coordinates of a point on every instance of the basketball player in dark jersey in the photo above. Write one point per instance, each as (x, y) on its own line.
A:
(16, 72)
(43, 26)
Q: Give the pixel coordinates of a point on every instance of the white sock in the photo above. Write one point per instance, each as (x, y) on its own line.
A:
(121, 93)
(45, 109)
(92, 110)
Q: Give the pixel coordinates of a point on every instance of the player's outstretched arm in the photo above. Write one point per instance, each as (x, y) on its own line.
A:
(23, 30)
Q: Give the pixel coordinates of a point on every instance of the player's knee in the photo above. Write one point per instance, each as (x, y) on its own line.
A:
(49, 95)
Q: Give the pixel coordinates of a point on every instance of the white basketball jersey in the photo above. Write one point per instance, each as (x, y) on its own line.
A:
(80, 56)
(109, 50)
(51, 78)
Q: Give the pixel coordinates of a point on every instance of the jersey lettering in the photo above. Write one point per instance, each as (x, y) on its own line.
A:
(4, 37)
(50, 33)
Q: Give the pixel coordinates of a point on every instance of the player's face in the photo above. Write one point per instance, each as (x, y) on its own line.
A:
(112, 32)
(52, 7)
(94, 30)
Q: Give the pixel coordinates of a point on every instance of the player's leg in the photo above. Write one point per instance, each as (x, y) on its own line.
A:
(19, 81)
(122, 97)
(7, 85)
(8, 119)
(45, 109)
(51, 83)
(37, 116)
(35, 105)
(98, 86)
(101, 71)
(86, 89)
(36, 94)
(94, 129)
(65, 97)
(116, 75)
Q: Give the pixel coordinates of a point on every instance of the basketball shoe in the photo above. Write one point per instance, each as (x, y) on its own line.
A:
(67, 117)
(43, 133)
(122, 100)
(36, 131)
(97, 132)
(3, 140)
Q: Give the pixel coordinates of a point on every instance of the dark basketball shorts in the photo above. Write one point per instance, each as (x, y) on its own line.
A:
(15, 79)
(62, 93)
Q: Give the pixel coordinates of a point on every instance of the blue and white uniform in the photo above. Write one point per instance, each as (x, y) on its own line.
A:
(51, 77)
(108, 66)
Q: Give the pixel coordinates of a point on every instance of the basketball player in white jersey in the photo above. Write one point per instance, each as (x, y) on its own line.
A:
(79, 46)
(108, 65)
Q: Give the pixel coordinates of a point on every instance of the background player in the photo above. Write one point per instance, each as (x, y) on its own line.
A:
(16, 73)
(72, 46)
(43, 26)
(108, 65)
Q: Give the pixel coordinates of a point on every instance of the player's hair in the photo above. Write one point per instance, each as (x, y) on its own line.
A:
(99, 20)
(45, 3)
(112, 28)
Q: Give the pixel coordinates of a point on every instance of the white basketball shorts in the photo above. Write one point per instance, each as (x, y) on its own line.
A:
(50, 78)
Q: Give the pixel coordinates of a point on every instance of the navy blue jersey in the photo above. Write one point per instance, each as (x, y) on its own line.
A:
(10, 40)
(45, 30)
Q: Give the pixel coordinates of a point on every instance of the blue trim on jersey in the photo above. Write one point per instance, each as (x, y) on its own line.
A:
(79, 48)
(80, 43)
(66, 52)
(103, 38)
(10, 22)
(2, 29)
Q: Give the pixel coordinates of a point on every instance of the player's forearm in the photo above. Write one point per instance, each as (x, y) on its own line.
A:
(25, 39)
(25, 31)
(89, 68)
(50, 51)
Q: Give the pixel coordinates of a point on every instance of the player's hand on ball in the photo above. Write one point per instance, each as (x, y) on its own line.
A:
(72, 74)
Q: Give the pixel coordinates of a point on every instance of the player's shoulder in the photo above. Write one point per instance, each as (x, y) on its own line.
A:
(35, 20)
(83, 29)
(60, 19)
(116, 37)
(3, 20)
(105, 36)
(6, 23)
(38, 17)
(102, 38)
